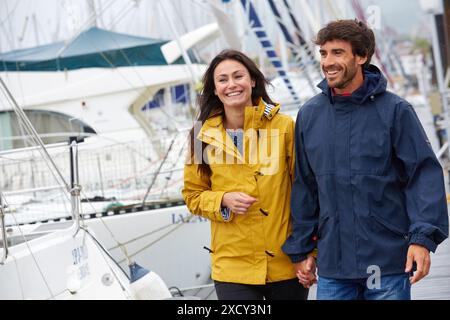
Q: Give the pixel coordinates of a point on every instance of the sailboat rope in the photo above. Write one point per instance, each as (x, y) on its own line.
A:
(119, 244)
(105, 252)
(159, 169)
(292, 45)
(300, 37)
(122, 245)
(22, 292)
(158, 239)
(260, 33)
(34, 135)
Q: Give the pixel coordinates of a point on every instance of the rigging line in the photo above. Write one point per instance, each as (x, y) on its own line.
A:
(8, 19)
(157, 240)
(145, 235)
(22, 116)
(8, 15)
(359, 11)
(182, 21)
(83, 26)
(25, 27)
(105, 252)
(29, 248)
(22, 119)
(213, 289)
(300, 37)
(26, 140)
(336, 12)
(169, 177)
(119, 244)
(9, 41)
(15, 160)
(38, 31)
(111, 64)
(127, 146)
(291, 45)
(134, 70)
(260, 33)
(22, 292)
(122, 14)
(132, 87)
(159, 169)
(21, 125)
(184, 53)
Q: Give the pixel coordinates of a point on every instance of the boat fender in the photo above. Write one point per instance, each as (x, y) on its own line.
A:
(146, 284)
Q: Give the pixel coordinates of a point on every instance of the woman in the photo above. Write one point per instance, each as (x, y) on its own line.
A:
(239, 176)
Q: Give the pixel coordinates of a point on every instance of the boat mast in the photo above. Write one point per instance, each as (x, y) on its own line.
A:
(261, 34)
(292, 46)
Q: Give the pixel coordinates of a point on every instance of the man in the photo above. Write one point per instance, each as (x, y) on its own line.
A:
(368, 192)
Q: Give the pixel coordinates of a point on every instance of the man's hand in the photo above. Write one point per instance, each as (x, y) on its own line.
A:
(421, 256)
(306, 271)
(238, 202)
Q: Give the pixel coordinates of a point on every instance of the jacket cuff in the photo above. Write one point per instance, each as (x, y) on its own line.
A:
(298, 257)
(423, 240)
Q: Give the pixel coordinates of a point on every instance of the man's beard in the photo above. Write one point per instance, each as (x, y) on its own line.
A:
(348, 74)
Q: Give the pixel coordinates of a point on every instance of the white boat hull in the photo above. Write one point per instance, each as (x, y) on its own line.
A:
(171, 244)
(60, 266)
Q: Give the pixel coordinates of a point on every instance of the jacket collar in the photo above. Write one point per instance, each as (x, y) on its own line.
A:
(374, 84)
(214, 133)
(254, 116)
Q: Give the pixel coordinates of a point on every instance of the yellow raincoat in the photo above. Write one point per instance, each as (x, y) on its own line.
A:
(247, 248)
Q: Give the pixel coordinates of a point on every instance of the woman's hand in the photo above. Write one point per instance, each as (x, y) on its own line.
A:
(238, 202)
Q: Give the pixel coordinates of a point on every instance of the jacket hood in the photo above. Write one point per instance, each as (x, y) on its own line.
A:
(374, 84)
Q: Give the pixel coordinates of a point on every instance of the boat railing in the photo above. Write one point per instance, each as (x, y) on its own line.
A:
(121, 170)
(3, 232)
(75, 187)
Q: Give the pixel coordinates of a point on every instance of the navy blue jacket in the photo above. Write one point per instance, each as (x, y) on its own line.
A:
(367, 183)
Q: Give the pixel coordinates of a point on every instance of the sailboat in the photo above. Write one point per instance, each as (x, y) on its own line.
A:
(127, 116)
(64, 261)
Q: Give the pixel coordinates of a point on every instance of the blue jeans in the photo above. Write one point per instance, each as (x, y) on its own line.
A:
(390, 287)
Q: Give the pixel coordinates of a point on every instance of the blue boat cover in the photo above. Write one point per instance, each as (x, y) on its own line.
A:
(94, 48)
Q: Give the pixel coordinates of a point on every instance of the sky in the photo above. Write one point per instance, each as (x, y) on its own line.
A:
(24, 23)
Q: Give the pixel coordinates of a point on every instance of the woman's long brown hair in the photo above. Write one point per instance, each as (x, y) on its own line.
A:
(210, 103)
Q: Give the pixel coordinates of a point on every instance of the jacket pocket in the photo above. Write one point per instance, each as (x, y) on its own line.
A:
(371, 151)
(389, 226)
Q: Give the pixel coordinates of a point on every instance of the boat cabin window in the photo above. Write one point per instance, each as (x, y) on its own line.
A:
(53, 127)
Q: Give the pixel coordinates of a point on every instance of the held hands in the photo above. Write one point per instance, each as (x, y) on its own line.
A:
(306, 272)
(238, 202)
(421, 256)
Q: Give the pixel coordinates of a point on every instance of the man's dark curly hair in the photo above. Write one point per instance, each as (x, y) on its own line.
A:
(361, 37)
